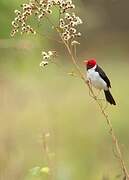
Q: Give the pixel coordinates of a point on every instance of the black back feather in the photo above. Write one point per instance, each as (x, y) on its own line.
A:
(103, 75)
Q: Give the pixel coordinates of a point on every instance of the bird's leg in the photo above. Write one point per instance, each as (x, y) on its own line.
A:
(90, 94)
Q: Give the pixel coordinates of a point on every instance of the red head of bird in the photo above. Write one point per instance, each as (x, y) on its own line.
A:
(90, 63)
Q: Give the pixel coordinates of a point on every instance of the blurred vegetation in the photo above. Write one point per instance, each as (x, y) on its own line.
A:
(33, 100)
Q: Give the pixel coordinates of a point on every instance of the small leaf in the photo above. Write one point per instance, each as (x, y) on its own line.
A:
(72, 74)
(45, 170)
(35, 171)
(47, 134)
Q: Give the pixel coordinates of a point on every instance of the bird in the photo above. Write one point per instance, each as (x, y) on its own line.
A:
(98, 78)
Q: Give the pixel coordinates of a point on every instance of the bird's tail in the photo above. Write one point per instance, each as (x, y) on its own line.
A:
(109, 97)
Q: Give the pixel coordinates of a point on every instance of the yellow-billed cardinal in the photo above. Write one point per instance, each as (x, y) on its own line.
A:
(97, 77)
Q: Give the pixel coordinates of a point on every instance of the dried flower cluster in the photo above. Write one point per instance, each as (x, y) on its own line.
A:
(47, 57)
(42, 8)
(68, 25)
(21, 18)
(65, 5)
(34, 7)
(68, 21)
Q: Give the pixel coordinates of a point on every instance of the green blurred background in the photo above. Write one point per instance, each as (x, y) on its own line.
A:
(34, 100)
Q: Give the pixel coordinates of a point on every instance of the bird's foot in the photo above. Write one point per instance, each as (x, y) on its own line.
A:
(87, 81)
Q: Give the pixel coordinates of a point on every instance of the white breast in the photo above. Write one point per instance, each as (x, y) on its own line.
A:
(96, 80)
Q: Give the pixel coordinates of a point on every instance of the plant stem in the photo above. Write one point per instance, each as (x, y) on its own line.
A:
(108, 121)
(111, 131)
(47, 155)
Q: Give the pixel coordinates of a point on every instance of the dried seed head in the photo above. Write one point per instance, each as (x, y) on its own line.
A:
(68, 22)
(79, 34)
(40, 16)
(43, 63)
(44, 53)
(67, 15)
(50, 53)
(47, 57)
(49, 11)
(23, 24)
(73, 30)
(17, 12)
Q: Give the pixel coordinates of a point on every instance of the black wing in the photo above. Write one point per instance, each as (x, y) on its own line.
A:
(103, 75)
